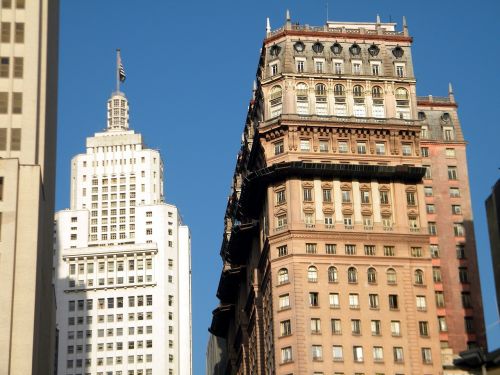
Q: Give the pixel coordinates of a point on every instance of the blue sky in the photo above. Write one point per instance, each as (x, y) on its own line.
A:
(190, 67)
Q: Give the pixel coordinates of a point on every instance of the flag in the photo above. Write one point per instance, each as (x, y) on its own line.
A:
(121, 71)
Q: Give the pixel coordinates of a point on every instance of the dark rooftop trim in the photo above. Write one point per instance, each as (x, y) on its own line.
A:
(221, 317)
(229, 284)
(235, 250)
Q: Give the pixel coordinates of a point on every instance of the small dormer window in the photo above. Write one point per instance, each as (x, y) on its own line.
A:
(373, 50)
(275, 50)
(398, 52)
(336, 48)
(421, 116)
(299, 46)
(355, 49)
(445, 117)
(317, 47)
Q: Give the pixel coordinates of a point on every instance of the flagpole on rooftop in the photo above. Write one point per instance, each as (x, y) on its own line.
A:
(117, 70)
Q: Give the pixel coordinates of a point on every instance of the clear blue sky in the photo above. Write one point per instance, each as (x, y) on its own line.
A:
(190, 67)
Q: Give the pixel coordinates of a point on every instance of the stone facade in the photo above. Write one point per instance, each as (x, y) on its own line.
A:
(329, 267)
(28, 118)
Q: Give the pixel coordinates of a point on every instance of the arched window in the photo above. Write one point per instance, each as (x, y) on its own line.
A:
(312, 274)
(282, 276)
(402, 103)
(321, 104)
(359, 109)
(339, 90)
(357, 91)
(333, 275)
(301, 91)
(401, 93)
(320, 89)
(276, 101)
(378, 102)
(352, 275)
(372, 275)
(391, 276)
(377, 92)
(340, 108)
(419, 277)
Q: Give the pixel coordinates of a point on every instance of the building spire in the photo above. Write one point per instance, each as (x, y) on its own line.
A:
(378, 19)
(405, 26)
(288, 19)
(451, 95)
(268, 26)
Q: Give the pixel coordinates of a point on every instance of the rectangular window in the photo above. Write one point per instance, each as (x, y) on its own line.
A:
(280, 197)
(315, 325)
(330, 248)
(436, 275)
(456, 209)
(458, 229)
(375, 69)
(337, 67)
(421, 303)
(452, 173)
(396, 328)
(406, 149)
(336, 327)
(357, 352)
(370, 250)
(279, 148)
(374, 301)
(334, 300)
(430, 208)
(274, 69)
(463, 275)
(356, 68)
(440, 299)
(393, 302)
(337, 352)
(346, 196)
(282, 250)
(361, 146)
(423, 328)
(17, 102)
(5, 32)
(305, 145)
(380, 148)
(454, 192)
(460, 249)
(4, 67)
(350, 249)
(284, 301)
(343, 149)
(323, 146)
(313, 299)
(400, 70)
(18, 67)
(450, 152)
(428, 191)
(19, 33)
(319, 66)
(416, 252)
(354, 301)
(426, 355)
(398, 354)
(285, 328)
(378, 353)
(15, 139)
(311, 248)
(432, 228)
(428, 172)
(389, 251)
(286, 354)
(469, 324)
(300, 65)
(410, 198)
(355, 326)
(307, 194)
(424, 151)
(4, 102)
(375, 327)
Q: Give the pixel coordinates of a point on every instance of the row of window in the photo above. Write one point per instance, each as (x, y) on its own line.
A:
(79, 320)
(351, 249)
(17, 67)
(452, 172)
(343, 147)
(140, 344)
(338, 67)
(79, 335)
(456, 209)
(449, 152)
(19, 4)
(352, 275)
(458, 229)
(112, 265)
(14, 138)
(357, 354)
(355, 327)
(110, 303)
(16, 103)
(139, 358)
(109, 282)
(8, 28)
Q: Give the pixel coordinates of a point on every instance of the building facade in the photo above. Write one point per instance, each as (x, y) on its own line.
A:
(28, 119)
(348, 244)
(122, 261)
(493, 216)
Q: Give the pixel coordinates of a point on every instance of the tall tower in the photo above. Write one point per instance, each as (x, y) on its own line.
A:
(332, 260)
(123, 261)
(28, 116)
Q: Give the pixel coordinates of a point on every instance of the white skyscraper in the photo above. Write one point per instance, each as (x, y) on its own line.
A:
(123, 267)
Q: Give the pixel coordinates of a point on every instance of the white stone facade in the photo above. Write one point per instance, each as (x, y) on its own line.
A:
(123, 267)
